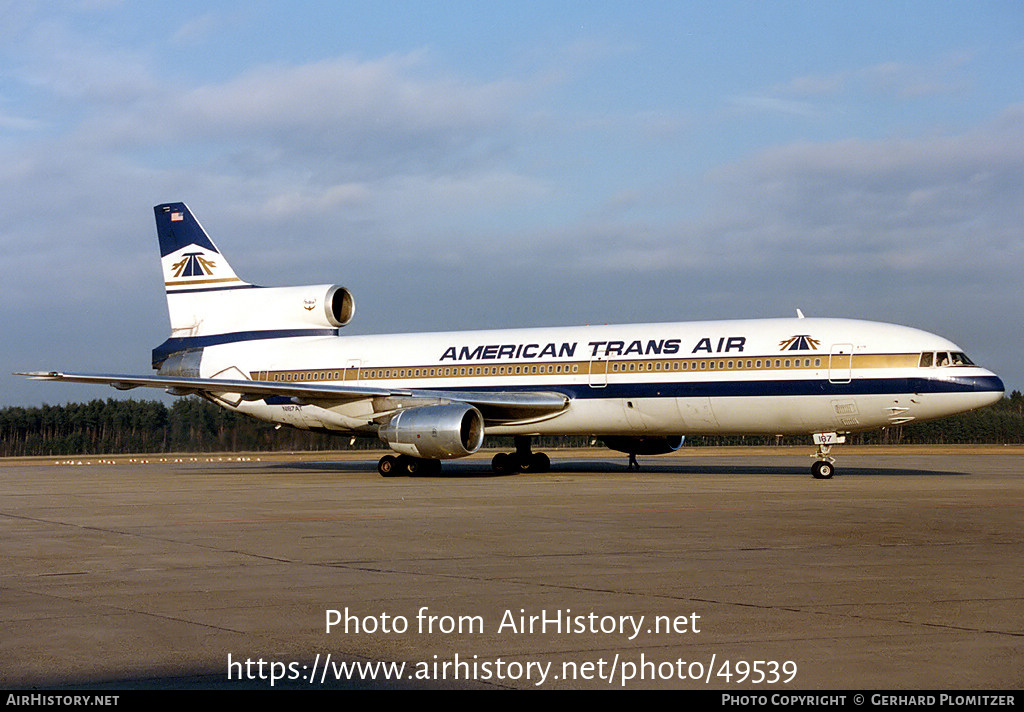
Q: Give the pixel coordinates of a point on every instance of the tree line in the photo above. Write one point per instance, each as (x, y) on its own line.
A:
(194, 425)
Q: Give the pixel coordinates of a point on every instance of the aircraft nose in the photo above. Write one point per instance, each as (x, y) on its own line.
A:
(985, 389)
(989, 388)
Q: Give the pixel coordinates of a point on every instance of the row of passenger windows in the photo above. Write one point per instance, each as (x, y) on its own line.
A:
(372, 373)
(703, 365)
(944, 358)
(469, 371)
(715, 365)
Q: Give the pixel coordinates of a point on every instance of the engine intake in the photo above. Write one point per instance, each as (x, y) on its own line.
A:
(435, 431)
(340, 304)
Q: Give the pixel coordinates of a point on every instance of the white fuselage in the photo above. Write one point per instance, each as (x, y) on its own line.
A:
(764, 376)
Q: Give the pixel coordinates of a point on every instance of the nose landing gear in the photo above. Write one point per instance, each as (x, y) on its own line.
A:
(824, 467)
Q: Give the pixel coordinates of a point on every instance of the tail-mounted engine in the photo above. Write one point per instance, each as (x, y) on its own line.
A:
(316, 306)
(435, 431)
(312, 305)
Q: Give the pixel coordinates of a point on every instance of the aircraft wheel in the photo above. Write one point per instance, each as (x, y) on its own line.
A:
(503, 463)
(387, 466)
(822, 470)
(430, 467)
(532, 462)
(411, 466)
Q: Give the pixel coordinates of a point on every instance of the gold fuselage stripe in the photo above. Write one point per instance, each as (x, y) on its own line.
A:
(613, 367)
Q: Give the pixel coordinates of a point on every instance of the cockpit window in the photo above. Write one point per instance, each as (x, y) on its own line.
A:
(943, 359)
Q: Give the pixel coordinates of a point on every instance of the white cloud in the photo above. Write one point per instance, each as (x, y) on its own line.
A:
(930, 199)
(342, 106)
(815, 95)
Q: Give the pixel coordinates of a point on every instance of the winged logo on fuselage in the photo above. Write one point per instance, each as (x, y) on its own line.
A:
(800, 342)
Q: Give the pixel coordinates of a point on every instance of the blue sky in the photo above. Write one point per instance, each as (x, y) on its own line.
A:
(480, 165)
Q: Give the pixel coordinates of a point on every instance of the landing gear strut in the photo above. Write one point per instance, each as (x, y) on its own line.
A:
(391, 466)
(522, 460)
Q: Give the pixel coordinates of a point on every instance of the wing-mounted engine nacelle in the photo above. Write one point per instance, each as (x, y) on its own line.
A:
(435, 431)
(651, 445)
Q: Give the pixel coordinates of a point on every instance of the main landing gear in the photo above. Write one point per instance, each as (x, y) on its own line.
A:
(522, 460)
(504, 463)
(393, 466)
(824, 467)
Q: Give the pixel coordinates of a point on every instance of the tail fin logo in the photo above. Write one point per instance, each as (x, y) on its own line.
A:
(193, 264)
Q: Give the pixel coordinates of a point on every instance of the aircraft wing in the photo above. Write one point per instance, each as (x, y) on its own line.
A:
(495, 406)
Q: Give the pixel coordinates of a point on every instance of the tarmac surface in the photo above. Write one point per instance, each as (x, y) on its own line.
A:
(902, 572)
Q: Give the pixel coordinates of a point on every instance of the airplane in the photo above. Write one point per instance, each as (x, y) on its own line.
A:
(278, 354)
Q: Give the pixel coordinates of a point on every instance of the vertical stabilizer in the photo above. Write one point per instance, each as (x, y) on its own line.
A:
(209, 305)
(190, 260)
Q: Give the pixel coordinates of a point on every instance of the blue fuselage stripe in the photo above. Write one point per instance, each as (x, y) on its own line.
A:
(174, 345)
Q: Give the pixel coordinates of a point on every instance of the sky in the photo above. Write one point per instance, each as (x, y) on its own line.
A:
(465, 165)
